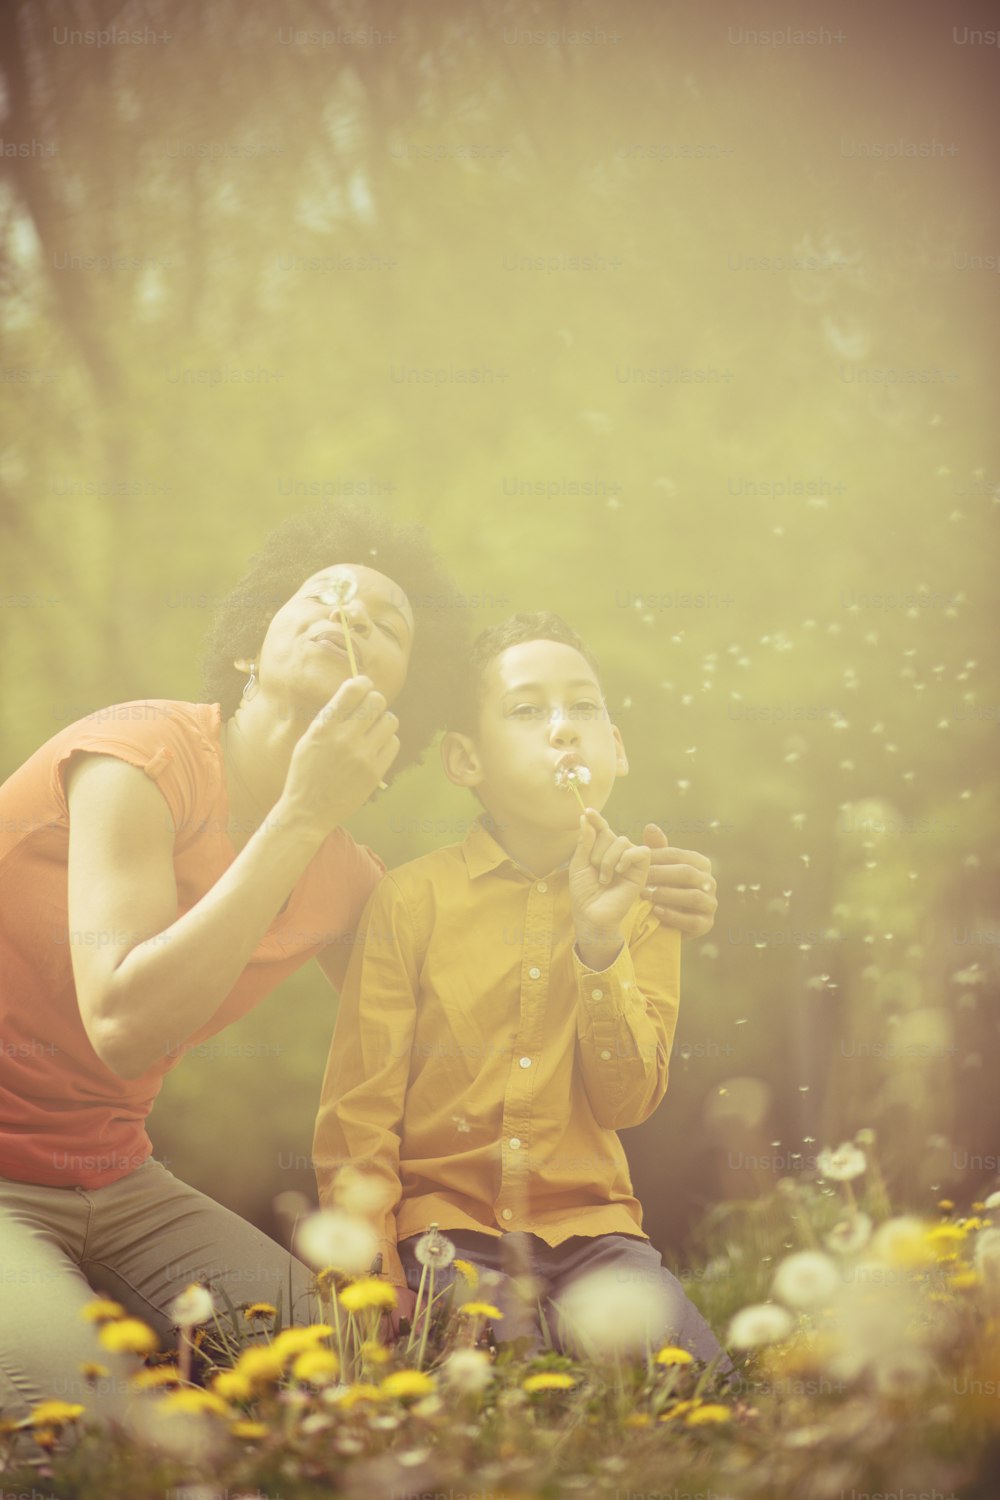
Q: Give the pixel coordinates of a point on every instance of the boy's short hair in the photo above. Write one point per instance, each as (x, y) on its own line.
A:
(541, 625)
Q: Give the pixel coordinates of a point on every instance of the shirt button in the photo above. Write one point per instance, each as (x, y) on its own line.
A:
(507, 1213)
(541, 886)
(597, 994)
(525, 1062)
(514, 1143)
(534, 972)
(605, 1054)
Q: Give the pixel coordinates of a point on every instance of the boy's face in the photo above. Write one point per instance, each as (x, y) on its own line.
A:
(540, 700)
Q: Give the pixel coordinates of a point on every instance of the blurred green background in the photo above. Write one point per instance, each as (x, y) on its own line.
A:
(680, 325)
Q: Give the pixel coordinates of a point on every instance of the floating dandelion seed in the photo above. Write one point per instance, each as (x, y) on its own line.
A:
(570, 774)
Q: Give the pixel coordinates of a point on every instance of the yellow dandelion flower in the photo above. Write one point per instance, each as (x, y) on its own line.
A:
(972, 1223)
(329, 1279)
(677, 1410)
(468, 1271)
(293, 1341)
(318, 1366)
(977, 1208)
(260, 1366)
(129, 1336)
(360, 1392)
(671, 1355)
(91, 1371)
(945, 1234)
(196, 1401)
(406, 1383)
(159, 1375)
(367, 1292)
(707, 1413)
(259, 1310)
(945, 1205)
(479, 1310)
(963, 1279)
(233, 1385)
(548, 1380)
(638, 1419)
(102, 1310)
(374, 1353)
(248, 1430)
(55, 1413)
(45, 1437)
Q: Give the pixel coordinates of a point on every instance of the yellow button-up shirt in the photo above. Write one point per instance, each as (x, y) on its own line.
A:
(479, 1068)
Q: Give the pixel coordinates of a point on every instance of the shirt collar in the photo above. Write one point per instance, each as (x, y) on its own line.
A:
(483, 854)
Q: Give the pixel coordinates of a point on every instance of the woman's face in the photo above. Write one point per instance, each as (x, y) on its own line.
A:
(304, 657)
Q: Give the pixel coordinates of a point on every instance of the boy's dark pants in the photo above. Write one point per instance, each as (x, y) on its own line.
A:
(556, 1267)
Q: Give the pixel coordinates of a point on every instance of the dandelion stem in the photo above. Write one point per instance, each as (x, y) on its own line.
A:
(185, 1353)
(427, 1320)
(347, 640)
(416, 1310)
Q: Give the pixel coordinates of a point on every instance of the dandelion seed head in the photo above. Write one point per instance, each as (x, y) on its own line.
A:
(571, 771)
(331, 1238)
(434, 1249)
(806, 1279)
(340, 587)
(759, 1324)
(842, 1165)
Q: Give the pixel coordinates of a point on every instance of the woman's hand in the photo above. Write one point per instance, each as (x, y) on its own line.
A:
(341, 757)
(680, 885)
(606, 874)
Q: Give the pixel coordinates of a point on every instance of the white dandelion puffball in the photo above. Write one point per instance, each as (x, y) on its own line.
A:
(987, 1253)
(571, 771)
(362, 1193)
(331, 1238)
(192, 1306)
(434, 1249)
(805, 1279)
(467, 1371)
(760, 1323)
(993, 1201)
(850, 1235)
(339, 588)
(843, 1164)
(603, 1316)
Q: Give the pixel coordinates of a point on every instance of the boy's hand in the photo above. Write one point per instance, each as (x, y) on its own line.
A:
(680, 885)
(606, 874)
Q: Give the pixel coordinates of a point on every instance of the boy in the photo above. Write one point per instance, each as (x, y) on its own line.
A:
(510, 1004)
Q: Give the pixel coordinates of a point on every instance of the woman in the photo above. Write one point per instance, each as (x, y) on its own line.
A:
(163, 865)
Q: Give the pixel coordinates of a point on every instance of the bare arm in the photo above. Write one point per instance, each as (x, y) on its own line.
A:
(146, 978)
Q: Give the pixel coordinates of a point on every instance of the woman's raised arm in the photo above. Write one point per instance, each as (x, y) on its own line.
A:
(146, 978)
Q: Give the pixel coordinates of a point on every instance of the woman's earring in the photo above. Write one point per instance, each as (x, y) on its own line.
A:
(251, 684)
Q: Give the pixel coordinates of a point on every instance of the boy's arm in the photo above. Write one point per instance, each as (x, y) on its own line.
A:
(364, 1089)
(626, 1019)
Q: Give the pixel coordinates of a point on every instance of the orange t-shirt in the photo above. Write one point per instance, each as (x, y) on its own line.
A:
(66, 1119)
